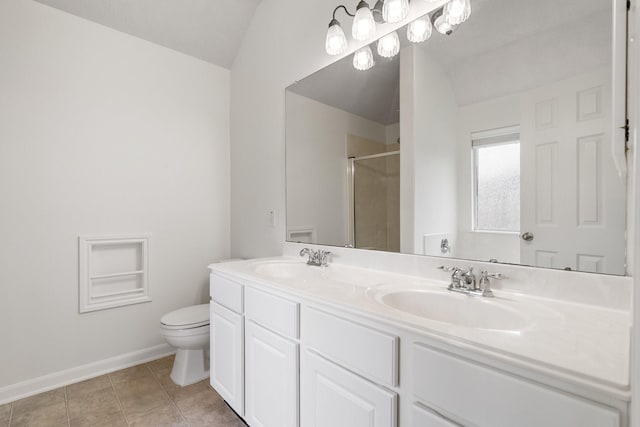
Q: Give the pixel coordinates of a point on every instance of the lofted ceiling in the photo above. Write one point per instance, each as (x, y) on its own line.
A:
(210, 30)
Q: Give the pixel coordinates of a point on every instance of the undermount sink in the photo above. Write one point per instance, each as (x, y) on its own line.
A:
(472, 312)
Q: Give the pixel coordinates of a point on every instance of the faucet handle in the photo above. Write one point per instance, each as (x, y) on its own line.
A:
(323, 257)
(449, 268)
(311, 253)
(485, 283)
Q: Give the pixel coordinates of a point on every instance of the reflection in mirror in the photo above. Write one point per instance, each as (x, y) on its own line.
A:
(492, 143)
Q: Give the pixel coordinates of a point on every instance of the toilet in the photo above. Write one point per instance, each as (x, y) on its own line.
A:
(187, 329)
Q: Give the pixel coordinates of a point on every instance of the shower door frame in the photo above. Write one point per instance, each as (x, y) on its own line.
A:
(351, 222)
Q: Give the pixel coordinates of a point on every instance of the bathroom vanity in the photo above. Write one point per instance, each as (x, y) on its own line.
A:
(299, 345)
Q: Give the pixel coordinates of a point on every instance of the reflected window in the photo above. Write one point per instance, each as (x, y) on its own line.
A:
(496, 180)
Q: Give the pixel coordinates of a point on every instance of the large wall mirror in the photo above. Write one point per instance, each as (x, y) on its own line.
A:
(494, 143)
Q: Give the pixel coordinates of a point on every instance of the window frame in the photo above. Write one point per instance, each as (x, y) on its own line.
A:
(488, 138)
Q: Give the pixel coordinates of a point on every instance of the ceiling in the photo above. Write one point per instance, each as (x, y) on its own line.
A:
(506, 47)
(210, 30)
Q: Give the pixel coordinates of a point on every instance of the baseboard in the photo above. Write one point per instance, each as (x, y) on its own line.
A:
(69, 376)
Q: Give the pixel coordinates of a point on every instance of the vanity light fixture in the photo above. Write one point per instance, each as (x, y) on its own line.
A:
(457, 11)
(389, 45)
(336, 41)
(441, 24)
(394, 11)
(363, 59)
(364, 26)
(419, 30)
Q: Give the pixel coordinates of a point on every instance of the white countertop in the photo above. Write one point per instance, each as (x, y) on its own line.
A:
(579, 343)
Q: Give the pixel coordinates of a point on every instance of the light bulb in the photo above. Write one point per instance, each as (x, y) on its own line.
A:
(441, 23)
(363, 59)
(457, 11)
(364, 26)
(389, 45)
(395, 10)
(419, 30)
(336, 41)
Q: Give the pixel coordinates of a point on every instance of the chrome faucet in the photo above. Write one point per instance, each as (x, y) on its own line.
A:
(464, 281)
(485, 283)
(319, 257)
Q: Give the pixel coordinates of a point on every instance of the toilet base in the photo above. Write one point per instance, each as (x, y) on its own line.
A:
(189, 367)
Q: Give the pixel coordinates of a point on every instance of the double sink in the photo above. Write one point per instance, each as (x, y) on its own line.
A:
(428, 300)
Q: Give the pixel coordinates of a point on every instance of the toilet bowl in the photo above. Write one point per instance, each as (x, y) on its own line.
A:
(187, 329)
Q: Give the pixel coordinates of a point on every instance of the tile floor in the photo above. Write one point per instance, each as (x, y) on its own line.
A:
(143, 395)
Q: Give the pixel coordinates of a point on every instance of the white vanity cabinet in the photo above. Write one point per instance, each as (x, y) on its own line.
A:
(271, 360)
(282, 359)
(345, 368)
(474, 394)
(255, 352)
(425, 417)
(227, 341)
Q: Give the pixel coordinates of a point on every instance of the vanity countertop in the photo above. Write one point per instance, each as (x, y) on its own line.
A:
(579, 343)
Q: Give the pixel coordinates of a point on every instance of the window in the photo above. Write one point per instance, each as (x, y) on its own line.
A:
(496, 180)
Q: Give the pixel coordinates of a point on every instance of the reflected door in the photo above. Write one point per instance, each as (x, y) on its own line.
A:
(573, 203)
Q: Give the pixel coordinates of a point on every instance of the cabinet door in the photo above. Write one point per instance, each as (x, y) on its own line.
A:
(271, 378)
(227, 356)
(422, 417)
(332, 396)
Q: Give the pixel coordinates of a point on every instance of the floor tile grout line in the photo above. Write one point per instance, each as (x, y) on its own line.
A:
(155, 377)
(113, 387)
(10, 414)
(66, 406)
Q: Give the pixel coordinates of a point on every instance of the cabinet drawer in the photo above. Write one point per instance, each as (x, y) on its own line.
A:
(372, 353)
(226, 292)
(273, 312)
(422, 417)
(482, 396)
(335, 397)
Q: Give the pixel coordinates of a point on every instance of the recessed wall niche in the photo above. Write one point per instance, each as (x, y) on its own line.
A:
(113, 271)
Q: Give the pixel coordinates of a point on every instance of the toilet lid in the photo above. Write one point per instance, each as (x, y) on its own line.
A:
(195, 315)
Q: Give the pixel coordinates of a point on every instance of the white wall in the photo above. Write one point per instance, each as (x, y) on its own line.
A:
(434, 149)
(392, 133)
(284, 42)
(101, 133)
(317, 165)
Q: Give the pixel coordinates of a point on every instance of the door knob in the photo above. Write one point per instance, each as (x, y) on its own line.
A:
(527, 236)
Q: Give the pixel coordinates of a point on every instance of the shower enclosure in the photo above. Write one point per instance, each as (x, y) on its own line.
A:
(374, 201)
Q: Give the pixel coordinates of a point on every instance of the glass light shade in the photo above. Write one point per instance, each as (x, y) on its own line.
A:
(364, 26)
(419, 30)
(336, 41)
(442, 25)
(389, 45)
(457, 11)
(363, 59)
(395, 10)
